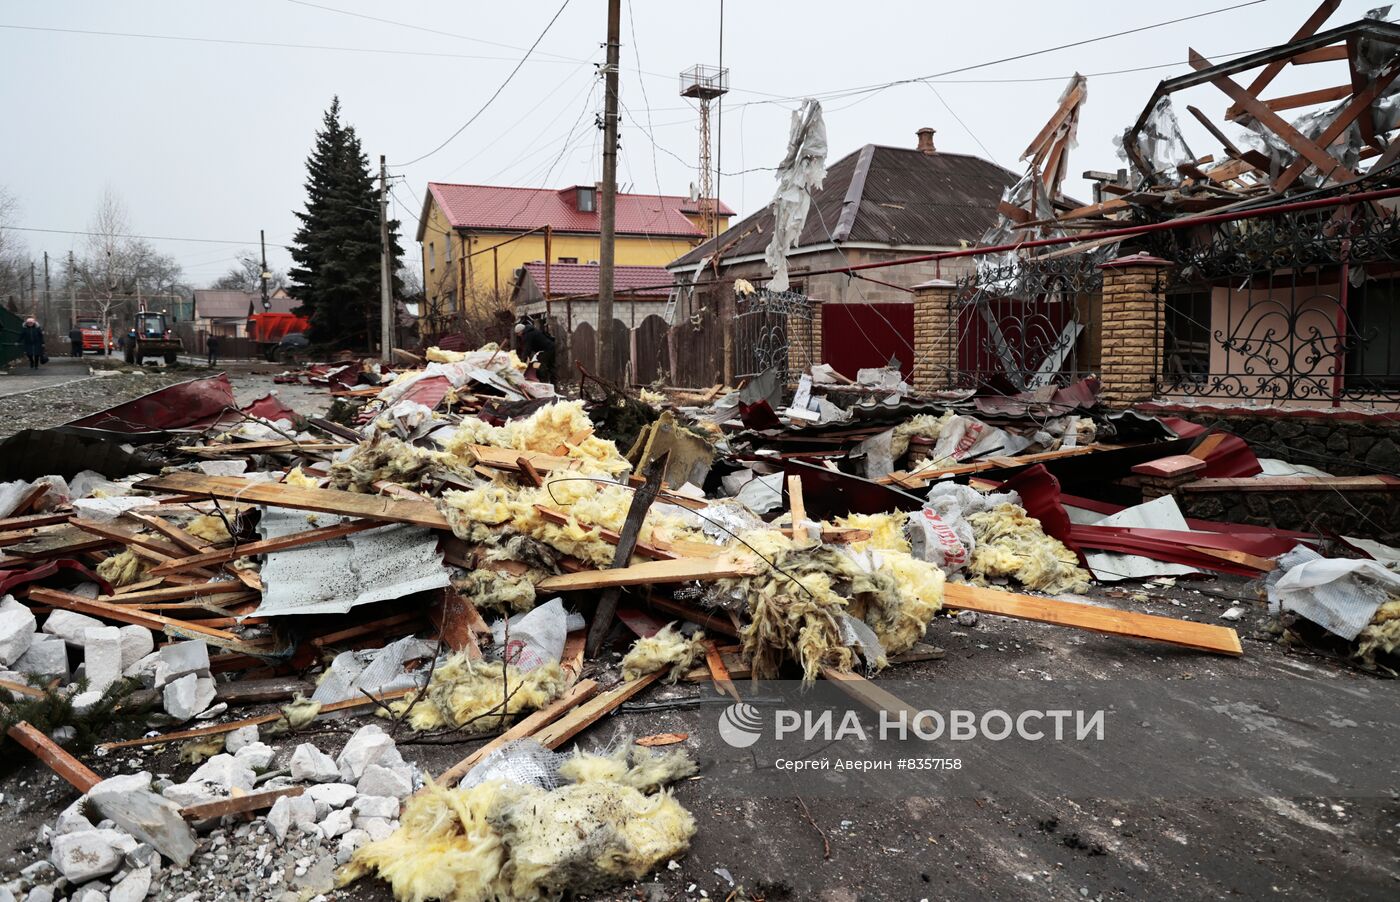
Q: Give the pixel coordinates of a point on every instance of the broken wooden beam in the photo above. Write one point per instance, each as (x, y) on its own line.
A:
(330, 501)
(585, 715)
(266, 546)
(1185, 633)
(253, 801)
(76, 773)
(649, 572)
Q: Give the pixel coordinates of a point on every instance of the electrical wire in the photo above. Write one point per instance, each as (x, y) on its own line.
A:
(497, 92)
(142, 237)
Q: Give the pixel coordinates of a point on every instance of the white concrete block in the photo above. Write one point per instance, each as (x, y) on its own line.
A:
(383, 781)
(368, 746)
(137, 642)
(240, 737)
(70, 625)
(180, 658)
(337, 822)
(257, 755)
(376, 806)
(311, 765)
(226, 771)
(102, 657)
(17, 626)
(132, 888)
(86, 854)
(46, 656)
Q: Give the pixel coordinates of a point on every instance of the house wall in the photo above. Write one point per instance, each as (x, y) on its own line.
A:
(630, 312)
(464, 257)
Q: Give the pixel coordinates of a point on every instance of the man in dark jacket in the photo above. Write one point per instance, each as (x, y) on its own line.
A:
(534, 340)
(31, 339)
(75, 338)
(212, 343)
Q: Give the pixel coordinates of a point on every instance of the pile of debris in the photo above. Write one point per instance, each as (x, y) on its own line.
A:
(458, 563)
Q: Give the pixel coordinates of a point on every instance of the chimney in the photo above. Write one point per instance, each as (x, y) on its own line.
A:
(926, 140)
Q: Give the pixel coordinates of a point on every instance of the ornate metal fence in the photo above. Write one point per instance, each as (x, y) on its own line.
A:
(766, 323)
(1301, 308)
(1025, 324)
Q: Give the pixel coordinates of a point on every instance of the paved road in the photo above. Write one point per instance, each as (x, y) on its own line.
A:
(19, 378)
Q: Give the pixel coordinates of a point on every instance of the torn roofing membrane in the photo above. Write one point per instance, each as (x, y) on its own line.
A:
(331, 577)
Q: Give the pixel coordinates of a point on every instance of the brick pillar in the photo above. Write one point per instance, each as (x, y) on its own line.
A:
(804, 345)
(935, 336)
(1130, 324)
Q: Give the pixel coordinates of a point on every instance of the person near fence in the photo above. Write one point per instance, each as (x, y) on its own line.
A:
(31, 338)
(75, 338)
(212, 344)
(535, 341)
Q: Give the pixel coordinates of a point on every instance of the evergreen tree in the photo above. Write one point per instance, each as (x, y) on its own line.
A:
(336, 250)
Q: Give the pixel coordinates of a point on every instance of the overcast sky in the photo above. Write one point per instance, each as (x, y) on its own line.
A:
(204, 133)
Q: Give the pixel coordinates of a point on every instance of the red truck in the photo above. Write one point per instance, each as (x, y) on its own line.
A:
(94, 338)
(267, 330)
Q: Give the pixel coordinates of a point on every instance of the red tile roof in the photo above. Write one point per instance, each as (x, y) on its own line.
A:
(522, 209)
(582, 279)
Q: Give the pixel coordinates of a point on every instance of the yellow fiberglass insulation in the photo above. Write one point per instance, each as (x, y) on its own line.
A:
(795, 607)
(122, 569)
(210, 528)
(666, 648)
(925, 425)
(502, 841)
(468, 695)
(1382, 634)
(645, 770)
(1009, 544)
(388, 459)
(498, 590)
(480, 514)
(886, 531)
(295, 477)
(546, 430)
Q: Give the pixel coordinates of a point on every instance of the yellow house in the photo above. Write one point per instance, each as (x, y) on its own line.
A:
(476, 237)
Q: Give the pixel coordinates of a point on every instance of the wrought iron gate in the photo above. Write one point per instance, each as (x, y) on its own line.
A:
(766, 324)
(1023, 324)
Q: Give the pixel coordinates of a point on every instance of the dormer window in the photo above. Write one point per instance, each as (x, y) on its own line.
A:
(587, 198)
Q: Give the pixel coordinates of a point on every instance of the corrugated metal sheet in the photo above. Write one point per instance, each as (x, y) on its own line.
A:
(519, 209)
(900, 196)
(334, 576)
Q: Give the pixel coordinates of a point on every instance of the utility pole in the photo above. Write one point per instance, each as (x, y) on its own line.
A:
(72, 293)
(263, 273)
(46, 319)
(386, 278)
(33, 292)
(608, 209)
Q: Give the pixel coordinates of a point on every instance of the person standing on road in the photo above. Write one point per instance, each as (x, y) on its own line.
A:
(31, 338)
(212, 343)
(75, 338)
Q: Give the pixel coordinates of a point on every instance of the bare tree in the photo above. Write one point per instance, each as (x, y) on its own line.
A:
(118, 270)
(246, 275)
(14, 256)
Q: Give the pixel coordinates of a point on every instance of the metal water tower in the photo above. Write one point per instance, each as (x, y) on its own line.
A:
(705, 83)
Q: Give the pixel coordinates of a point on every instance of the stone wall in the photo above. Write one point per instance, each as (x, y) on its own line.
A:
(1343, 443)
(1368, 515)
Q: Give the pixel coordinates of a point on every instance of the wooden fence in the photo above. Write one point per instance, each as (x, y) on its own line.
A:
(688, 354)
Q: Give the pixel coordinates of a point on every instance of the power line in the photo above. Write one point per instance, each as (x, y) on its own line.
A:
(282, 45)
(991, 156)
(497, 92)
(246, 241)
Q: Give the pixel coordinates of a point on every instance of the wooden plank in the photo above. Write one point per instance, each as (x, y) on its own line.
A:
(709, 621)
(527, 469)
(585, 715)
(627, 541)
(1295, 484)
(527, 726)
(169, 593)
(76, 773)
(1062, 112)
(1271, 71)
(1108, 206)
(253, 801)
(30, 521)
(572, 659)
(1361, 103)
(450, 615)
(1312, 152)
(796, 504)
(127, 537)
(124, 614)
(658, 572)
(1308, 98)
(510, 459)
(188, 541)
(358, 702)
(869, 694)
(254, 692)
(1185, 633)
(718, 672)
(332, 501)
(1321, 55)
(375, 627)
(1215, 131)
(295, 540)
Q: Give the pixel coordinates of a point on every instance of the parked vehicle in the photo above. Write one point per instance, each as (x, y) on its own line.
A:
(95, 338)
(149, 337)
(268, 330)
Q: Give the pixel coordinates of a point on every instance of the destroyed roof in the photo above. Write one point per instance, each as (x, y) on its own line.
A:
(884, 195)
(221, 303)
(496, 207)
(573, 279)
